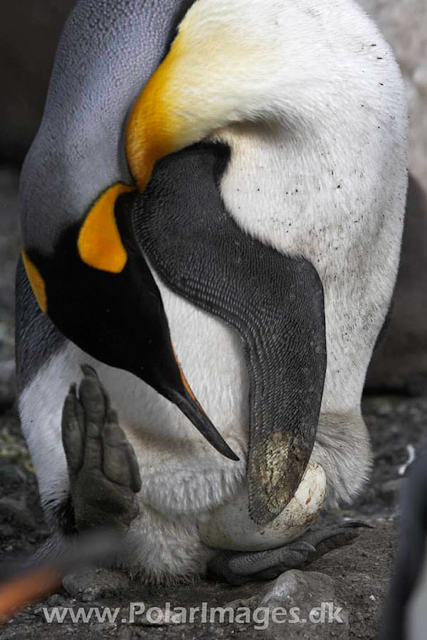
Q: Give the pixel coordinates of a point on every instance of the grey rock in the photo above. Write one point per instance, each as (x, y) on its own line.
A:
(9, 225)
(91, 594)
(7, 384)
(390, 491)
(14, 635)
(9, 250)
(243, 602)
(392, 486)
(383, 407)
(18, 511)
(102, 627)
(305, 603)
(159, 618)
(11, 476)
(293, 583)
(54, 600)
(6, 531)
(90, 584)
(39, 611)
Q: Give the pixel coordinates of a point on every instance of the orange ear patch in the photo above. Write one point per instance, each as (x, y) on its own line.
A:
(100, 245)
(154, 128)
(37, 283)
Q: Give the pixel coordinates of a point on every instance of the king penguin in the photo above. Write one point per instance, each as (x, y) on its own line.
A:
(218, 188)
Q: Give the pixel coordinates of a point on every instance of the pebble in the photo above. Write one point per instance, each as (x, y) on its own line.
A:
(383, 408)
(391, 488)
(11, 476)
(18, 511)
(305, 590)
(7, 384)
(6, 531)
(91, 584)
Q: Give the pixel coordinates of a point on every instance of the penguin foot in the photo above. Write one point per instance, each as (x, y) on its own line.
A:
(237, 567)
(103, 469)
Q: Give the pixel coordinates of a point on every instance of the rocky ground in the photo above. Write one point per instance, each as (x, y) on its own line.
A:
(354, 578)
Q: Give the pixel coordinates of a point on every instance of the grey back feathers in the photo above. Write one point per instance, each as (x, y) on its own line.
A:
(107, 52)
(37, 339)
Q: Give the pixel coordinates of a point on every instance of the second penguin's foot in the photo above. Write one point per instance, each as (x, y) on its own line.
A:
(238, 567)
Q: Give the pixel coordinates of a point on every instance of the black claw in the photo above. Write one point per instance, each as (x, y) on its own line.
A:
(89, 371)
(303, 546)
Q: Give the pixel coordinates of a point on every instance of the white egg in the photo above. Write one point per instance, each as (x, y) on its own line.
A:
(230, 527)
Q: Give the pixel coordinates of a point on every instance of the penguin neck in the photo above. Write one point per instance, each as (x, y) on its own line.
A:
(105, 57)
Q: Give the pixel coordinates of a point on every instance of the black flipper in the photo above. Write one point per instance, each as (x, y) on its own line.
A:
(274, 301)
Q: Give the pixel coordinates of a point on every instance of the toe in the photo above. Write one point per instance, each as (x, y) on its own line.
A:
(301, 545)
(240, 567)
(94, 400)
(119, 461)
(334, 537)
(345, 532)
(73, 430)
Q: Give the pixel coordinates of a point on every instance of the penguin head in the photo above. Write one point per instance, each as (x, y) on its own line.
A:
(117, 317)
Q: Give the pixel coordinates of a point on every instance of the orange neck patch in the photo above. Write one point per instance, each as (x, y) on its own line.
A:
(184, 379)
(37, 283)
(100, 245)
(154, 129)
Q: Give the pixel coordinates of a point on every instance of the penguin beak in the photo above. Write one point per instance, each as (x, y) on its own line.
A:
(187, 402)
(99, 292)
(190, 407)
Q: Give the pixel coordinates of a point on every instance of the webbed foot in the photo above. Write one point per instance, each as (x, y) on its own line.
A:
(103, 469)
(239, 567)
